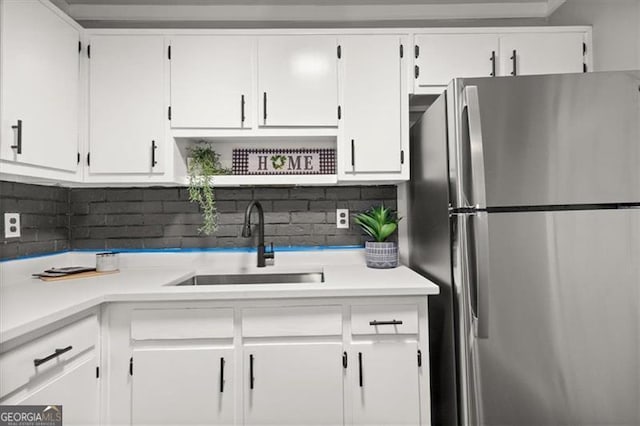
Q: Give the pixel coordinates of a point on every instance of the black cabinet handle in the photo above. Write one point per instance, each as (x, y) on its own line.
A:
(251, 378)
(221, 374)
(392, 322)
(353, 153)
(360, 368)
(344, 359)
(153, 153)
(264, 106)
(18, 129)
(514, 58)
(242, 108)
(493, 63)
(55, 354)
(416, 71)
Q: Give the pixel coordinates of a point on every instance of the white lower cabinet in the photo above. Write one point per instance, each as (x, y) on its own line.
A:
(77, 390)
(182, 385)
(293, 384)
(59, 366)
(275, 362)
(385, 388)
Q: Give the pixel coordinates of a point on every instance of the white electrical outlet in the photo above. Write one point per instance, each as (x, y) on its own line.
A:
(342, 218)
(11, 225)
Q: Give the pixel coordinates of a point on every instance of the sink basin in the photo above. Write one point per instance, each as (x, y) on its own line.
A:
(288, 278)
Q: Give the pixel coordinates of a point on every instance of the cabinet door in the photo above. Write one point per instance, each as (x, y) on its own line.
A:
(211, 81)
(541, 53)
(182, 386)
(370, 134)
(443, 57)
(40, 66)
(293, 384)
(384, 383)
(126, 104)
(297, 81)
(77, 390)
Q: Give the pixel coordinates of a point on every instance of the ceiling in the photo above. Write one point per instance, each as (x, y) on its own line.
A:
(165, 12)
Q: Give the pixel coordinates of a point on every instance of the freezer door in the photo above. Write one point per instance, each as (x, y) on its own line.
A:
(548, 140)
(562, 338)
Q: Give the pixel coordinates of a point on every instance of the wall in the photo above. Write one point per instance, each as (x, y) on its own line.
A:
(616, 30)
(44, 217)
(56, 219)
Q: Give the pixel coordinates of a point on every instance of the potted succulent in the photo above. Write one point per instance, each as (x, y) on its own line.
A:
(379, 223)
(204, 163)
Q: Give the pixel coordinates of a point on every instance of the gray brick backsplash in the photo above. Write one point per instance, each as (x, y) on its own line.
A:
(44, 219)
(55, 219)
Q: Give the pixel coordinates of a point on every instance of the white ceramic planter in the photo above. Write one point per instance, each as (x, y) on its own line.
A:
(381, 255)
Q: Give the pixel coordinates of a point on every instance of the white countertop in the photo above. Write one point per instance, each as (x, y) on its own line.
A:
(27, 304)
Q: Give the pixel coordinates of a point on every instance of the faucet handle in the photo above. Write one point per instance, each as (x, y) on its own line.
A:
(271, 253)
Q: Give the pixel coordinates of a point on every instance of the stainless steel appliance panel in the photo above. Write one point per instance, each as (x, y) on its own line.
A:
(430, 249)
(554, 139)
(563, 338)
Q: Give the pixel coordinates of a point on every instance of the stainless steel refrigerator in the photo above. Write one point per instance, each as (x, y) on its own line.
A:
(524, 206)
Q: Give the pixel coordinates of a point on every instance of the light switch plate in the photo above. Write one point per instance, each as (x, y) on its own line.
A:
(342, 218)
(11, 225)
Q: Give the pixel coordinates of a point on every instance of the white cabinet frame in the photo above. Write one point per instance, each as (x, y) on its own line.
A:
(119, 346)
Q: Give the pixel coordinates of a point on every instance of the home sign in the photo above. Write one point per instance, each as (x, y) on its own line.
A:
(307, 161)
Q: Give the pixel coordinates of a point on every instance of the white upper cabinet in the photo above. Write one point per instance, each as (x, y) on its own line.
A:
(40, 86)
(541, 53)
(297, 81)
(211, 84)
(443, 57)
(372, 102)
(127, 107)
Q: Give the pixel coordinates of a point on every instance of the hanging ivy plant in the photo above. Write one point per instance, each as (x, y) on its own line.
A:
(203, 165)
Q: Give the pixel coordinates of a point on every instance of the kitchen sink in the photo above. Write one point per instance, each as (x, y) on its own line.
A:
(233, 279)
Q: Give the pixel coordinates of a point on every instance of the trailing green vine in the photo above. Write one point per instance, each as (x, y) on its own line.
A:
(204, 164)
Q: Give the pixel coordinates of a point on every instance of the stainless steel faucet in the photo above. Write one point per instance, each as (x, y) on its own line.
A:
(246, 232)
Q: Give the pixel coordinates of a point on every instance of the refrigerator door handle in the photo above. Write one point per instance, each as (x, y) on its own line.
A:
(480, 235)
(475, 141)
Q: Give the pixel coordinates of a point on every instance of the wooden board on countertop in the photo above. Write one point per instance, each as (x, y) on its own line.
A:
(79, 275)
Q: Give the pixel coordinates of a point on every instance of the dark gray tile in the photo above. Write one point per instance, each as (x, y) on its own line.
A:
(161, 194)
(343, 193)
(181, 230)
(125, 243)
(344, 240)
(308, 217)
(162, 242)
(290, 230)
(124, 219)
(87, 195)
(308, 240)
(307, 193)
(386, 192)
(234, 194)
(179, 207)
(270, 194)
(290, 205)
(115, 207)
(124, 194)
(322, 205)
